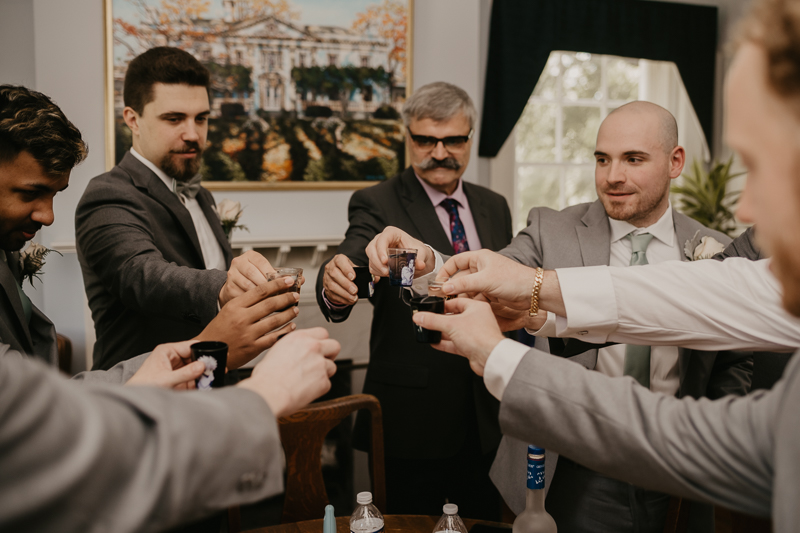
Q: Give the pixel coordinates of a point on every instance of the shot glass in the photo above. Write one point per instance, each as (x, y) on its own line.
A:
(366, 288)
(214, 355)
(401, 266)
(294, 273)
(435, 289)
(432, 304)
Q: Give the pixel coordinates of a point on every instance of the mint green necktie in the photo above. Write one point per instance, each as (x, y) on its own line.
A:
(26, 302)
(637, 358)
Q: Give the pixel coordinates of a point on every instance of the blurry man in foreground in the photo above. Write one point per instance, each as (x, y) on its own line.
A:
(741, 453)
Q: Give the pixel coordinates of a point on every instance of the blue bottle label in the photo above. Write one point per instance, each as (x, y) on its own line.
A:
(535, 471)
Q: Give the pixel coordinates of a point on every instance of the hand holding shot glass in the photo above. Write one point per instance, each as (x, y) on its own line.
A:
(295, 273)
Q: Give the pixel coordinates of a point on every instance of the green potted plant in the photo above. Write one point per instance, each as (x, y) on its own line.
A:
(704, 196)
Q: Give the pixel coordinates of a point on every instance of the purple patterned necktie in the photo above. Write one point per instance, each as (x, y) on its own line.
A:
(457, 232)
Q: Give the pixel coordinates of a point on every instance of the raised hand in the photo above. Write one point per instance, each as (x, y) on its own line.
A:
(338, 281)
(169, 366)
(469, 330)
(254, 321)
(247, 271)
(296, 371)
(498, 278)
(391, 237)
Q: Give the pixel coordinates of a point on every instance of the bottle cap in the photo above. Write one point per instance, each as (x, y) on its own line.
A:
(450, 508)
(535, 449)
(363, 498)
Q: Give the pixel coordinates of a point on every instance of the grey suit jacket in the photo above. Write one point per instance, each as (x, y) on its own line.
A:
(581, 236)
(739, 452)
(142, 265)
(100, 458)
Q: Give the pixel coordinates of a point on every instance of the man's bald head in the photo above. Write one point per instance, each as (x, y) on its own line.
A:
(665, 122)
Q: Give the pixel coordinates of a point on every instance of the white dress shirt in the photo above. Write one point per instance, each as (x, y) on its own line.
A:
(212, 251)
(734, 304)
(664, 373)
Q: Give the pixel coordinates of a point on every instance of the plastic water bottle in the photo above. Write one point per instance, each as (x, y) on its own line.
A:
(366, 518)
(450, 522)
(534, 519)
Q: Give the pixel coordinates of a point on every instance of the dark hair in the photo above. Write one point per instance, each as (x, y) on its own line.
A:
(163, 64)
(31, 122)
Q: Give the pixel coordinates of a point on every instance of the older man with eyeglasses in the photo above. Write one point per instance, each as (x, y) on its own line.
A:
(440, 422)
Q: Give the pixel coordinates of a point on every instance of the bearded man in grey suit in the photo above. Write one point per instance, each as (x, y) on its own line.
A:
(632, 222)
(151, 246)
(742, 453)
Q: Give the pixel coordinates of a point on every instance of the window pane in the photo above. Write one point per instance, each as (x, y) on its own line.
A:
(546, 86)
(536, 133)
(580, 133)
(537, 186)
(581, 76)
(622, 78)
(579, 185)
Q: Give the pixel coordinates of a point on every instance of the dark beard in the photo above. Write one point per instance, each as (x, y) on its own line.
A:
(182, 169)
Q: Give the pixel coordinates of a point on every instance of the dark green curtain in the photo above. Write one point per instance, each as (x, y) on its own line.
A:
(524, 32)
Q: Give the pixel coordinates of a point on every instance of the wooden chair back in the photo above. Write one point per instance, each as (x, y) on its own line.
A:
(303, 434)
(64, 347)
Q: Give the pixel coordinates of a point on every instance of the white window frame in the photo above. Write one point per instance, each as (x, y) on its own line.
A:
(561, 101)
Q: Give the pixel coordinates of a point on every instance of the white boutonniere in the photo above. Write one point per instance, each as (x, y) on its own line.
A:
(229, 213)
(31, 261)
(702, 247)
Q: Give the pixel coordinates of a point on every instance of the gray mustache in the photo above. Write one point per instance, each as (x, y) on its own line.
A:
(448, 162)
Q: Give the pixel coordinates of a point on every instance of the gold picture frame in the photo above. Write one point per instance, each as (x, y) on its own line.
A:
(114, 73)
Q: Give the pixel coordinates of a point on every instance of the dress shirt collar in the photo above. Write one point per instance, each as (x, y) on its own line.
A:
(436, 196)
(663, 229)
(168, 181)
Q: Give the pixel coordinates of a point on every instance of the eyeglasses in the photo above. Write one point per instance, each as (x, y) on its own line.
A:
(454, 143)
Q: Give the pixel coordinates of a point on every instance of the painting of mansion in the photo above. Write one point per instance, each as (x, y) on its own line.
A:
(290, 101)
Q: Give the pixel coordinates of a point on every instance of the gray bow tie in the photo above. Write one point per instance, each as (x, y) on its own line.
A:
(188, 188)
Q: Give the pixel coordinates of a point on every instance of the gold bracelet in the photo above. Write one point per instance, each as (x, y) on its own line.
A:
(537, 286)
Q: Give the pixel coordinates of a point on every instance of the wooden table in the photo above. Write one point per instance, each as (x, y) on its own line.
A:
(394, 524)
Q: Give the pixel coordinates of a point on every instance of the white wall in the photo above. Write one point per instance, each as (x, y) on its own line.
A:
(57, 47)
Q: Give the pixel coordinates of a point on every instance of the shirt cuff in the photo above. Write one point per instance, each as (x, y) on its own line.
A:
(331, 305)
(501, 365)
(548, 329)
(590, 303)
(420, 285)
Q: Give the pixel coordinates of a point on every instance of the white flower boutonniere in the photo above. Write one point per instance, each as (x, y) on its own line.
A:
(31, 261)
(702, 247)
(229, 213)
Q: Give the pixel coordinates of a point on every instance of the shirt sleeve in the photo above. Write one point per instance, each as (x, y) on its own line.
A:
(548, 329)
(501, 364)
(420, 285)
(734, 304)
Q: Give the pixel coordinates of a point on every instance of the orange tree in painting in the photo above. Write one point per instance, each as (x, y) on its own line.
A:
(387, 20)
(171, 23)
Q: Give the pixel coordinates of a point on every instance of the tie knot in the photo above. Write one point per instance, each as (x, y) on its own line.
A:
(450, 205)
(640, 242)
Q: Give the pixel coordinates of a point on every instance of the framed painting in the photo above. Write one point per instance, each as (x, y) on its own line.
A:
(305, 94)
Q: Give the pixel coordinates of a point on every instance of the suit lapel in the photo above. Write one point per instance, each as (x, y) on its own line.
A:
(8, 280)
(594, 237)
(423, 213)
(483, 221)
(216, 225)
(145, 179)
